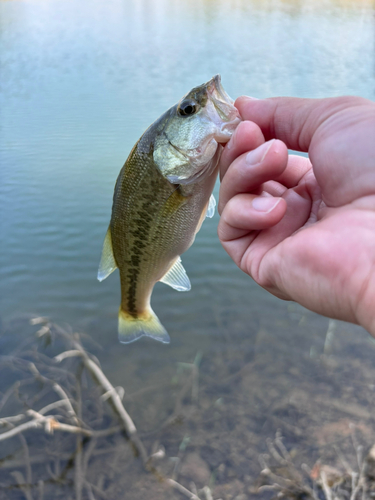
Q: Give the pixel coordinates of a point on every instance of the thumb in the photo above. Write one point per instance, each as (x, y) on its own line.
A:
(293, 120)
(338, 133)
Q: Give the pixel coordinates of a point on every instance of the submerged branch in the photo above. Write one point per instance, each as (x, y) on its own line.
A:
(177, 486)
(110, 393)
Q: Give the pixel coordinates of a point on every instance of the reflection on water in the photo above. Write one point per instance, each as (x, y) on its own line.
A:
(80, 81)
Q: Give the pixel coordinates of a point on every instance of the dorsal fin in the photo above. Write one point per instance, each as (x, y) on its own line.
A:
(176, 277)
(107, 262)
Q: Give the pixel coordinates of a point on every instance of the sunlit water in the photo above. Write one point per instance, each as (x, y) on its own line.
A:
(80, 81)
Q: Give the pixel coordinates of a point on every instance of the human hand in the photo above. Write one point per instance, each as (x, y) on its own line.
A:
(304, 228)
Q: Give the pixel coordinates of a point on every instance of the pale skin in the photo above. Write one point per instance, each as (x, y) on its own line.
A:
(304, 228)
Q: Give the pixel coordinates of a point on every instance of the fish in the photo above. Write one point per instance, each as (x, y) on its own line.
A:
(161, 197)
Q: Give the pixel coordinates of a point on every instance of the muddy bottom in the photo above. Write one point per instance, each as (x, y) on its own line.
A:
(207, 422)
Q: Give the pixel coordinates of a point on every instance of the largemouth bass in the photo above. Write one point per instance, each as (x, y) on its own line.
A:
(161, 198)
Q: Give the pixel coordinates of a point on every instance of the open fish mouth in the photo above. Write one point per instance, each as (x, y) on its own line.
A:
(224, 106)
(216, 84)
(223, 103)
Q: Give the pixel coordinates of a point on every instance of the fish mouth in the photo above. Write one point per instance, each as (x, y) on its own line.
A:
(216, 85)
(223, 103)
(224, 106)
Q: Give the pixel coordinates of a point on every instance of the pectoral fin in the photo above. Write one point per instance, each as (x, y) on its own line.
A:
(177, 278)
(211, 207)
(107, 262)
(208, 211)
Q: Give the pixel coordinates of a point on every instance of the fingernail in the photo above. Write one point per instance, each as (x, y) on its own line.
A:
(262, 204)
(249, 97)
(257, 155)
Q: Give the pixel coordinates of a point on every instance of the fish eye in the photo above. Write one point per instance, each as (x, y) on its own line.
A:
(187, 108)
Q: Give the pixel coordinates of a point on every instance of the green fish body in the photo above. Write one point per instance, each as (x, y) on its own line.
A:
(161, 198)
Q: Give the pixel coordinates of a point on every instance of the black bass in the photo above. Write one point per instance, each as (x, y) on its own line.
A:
(161, 198)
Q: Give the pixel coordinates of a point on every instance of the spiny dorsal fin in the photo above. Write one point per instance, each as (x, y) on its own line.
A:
(177, 278)
(211, 207)
(107, 262)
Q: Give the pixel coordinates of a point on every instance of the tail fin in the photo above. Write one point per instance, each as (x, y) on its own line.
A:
(131, 329)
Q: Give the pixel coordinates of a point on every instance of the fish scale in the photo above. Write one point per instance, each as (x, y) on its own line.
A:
(135, 239)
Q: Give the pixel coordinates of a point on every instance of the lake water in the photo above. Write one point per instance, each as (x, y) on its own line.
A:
(80, 81)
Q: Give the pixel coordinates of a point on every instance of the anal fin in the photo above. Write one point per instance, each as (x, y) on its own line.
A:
(177, 278)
